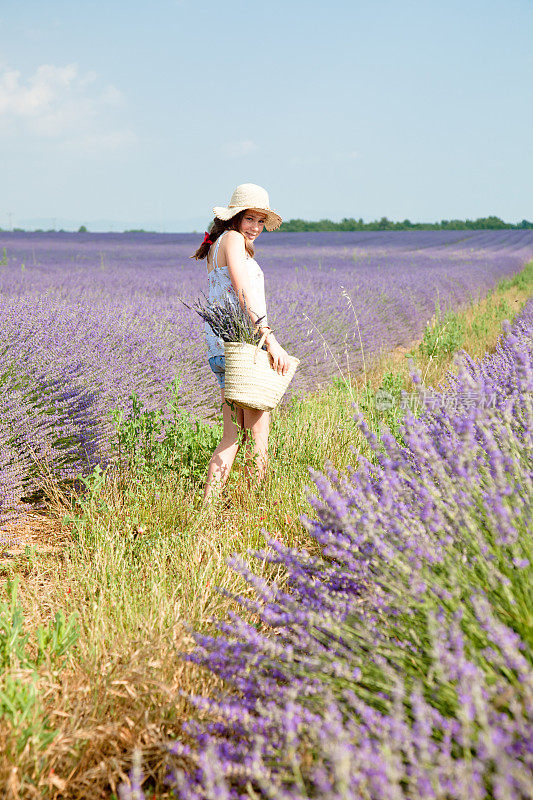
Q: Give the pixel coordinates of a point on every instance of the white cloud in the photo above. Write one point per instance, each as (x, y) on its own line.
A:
(238, 149)
(60, 104)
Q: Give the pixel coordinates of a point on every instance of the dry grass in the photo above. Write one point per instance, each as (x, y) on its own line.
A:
(138, 564)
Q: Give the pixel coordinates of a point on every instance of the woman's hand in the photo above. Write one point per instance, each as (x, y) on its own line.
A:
(279, 356)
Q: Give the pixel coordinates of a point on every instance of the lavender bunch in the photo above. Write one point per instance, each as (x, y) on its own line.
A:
(398, 663)
(228, 320)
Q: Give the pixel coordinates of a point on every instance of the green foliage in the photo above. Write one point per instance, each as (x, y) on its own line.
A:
(443, 334)
(82, 229)
(152, 442)
(13, 639)
(18, 650)
(20, 708)
(385, 405)
(20, 657)
(3, 260)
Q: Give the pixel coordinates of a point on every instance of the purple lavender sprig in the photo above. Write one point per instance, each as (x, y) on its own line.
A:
(228, 320)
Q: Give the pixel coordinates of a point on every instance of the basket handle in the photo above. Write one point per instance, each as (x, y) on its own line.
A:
(260, 345)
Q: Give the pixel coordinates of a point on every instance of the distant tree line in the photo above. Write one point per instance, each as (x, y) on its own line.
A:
(384, 224)
(351, 224)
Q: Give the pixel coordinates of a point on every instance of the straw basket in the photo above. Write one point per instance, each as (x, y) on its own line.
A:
(251, 382)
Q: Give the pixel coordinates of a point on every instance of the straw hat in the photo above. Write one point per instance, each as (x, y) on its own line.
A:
(254, 197)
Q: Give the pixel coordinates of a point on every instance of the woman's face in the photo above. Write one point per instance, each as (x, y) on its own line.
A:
(251, 224)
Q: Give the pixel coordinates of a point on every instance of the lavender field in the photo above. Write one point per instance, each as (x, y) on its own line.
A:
(89, 319)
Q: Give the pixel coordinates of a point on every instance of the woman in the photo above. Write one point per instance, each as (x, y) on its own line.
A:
(234, 274)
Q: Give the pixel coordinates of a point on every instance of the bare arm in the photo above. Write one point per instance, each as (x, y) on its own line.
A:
(236, 257)
(240, 279)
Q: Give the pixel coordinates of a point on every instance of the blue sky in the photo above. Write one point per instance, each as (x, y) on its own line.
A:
(123, 114)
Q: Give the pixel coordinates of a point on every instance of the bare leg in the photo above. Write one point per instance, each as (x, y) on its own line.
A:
(224, 454)
(258, 422)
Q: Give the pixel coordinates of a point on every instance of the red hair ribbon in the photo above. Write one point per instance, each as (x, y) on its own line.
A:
(207, 240)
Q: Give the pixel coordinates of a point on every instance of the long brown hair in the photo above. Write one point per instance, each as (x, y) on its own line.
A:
(218, 226)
